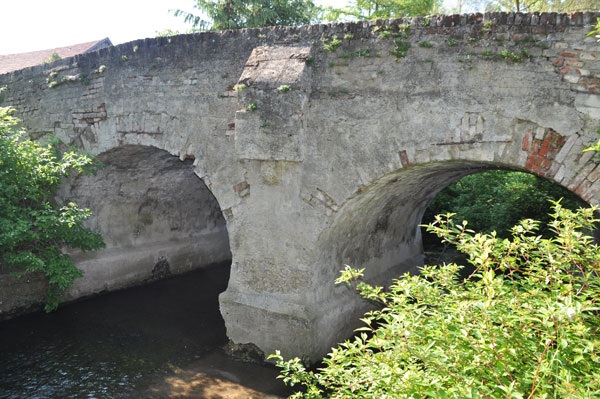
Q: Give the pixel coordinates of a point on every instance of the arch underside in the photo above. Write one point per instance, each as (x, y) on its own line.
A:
(156, 216)
(378, 229)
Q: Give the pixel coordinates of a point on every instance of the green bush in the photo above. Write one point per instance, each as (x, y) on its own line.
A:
(525, 324)
(34, 230)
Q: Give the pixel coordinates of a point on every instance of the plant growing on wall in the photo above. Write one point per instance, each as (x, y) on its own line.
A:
(53, 57)
(524, 325)
(595, 148)
(596, 31)
(34, 229)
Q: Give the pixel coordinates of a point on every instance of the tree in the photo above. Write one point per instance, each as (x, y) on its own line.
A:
(34, 229)
(531, 5)
(524, 325)
(236, 14)
(381, 9)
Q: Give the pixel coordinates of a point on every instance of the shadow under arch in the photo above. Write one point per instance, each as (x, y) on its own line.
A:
(157, 217)
(378, 229)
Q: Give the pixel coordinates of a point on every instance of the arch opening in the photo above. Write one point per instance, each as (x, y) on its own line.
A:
(157, 217)
(379, 229)
(494, 201)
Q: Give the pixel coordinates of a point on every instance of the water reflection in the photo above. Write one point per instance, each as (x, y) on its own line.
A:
(161, 340)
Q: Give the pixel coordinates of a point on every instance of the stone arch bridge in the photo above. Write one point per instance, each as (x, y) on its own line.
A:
(327, 155)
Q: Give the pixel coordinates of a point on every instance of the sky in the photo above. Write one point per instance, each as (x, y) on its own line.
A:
(29, 25)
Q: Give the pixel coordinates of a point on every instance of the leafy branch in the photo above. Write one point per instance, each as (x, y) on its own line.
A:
(524, 325)
(34, 229)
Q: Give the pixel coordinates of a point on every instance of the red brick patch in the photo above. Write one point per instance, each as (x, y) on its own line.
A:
(546, 163)
(595, 174)
(535, 148)
(404, 159)
(527, 141)
(590, 81)
(545, 146)
(575, 63)
(583, 187)
(558, 62)
(529, 162)
(242, 189)
(541, 152)
(568, 54)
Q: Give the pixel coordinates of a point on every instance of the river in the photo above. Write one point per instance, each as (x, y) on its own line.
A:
(160, 340)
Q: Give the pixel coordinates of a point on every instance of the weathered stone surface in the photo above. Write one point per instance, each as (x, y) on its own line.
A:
(340, 168)
(158, 218)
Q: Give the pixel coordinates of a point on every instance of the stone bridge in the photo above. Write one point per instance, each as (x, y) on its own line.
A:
(326, 153)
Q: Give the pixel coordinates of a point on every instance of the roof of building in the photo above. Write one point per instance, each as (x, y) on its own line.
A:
(14, 62)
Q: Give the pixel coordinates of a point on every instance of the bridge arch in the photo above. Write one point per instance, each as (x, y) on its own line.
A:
(157, 217)
(378, 227)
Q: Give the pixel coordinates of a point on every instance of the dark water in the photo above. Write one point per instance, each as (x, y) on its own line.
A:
(158, 340)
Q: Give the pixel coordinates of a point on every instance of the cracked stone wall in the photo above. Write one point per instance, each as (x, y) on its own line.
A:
(330, 156)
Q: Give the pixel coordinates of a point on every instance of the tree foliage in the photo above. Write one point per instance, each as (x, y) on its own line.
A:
(496, 200)
(236, 14)
(381, 9)
(530, 5)
(34, 230)
(524, 325)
